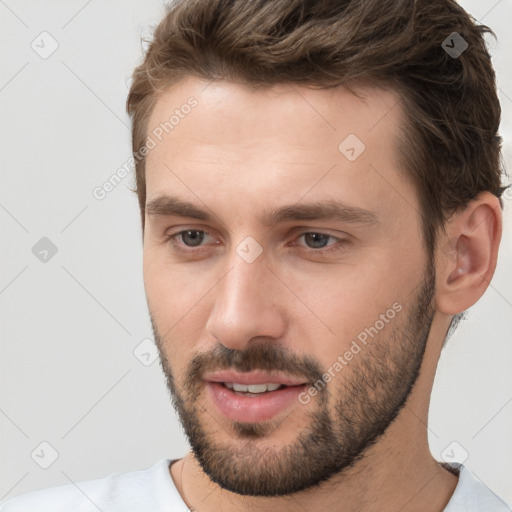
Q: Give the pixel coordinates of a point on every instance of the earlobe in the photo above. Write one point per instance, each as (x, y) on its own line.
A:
(467, 254)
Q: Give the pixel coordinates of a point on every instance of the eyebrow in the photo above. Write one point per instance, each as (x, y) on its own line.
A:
(328, 210)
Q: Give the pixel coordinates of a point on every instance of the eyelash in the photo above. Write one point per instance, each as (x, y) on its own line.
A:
(321, 251)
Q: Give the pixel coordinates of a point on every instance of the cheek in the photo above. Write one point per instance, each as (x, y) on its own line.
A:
(171, 289)
(345, 303)
(177, 302)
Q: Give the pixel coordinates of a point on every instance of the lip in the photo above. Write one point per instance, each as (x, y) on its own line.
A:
(254, 377)
(253, 409)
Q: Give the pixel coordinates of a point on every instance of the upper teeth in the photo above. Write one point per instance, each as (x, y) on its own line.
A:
(252, 388)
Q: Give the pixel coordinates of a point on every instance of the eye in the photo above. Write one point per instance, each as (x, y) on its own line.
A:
(190, 238)
(316, 243)
(318, 240)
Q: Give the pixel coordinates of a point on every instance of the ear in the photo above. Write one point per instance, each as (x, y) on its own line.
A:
(467, 253)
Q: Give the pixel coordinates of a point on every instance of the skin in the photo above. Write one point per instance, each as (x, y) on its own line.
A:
(240, 152)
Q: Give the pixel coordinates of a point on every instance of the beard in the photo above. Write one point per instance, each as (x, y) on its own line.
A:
(344, 419)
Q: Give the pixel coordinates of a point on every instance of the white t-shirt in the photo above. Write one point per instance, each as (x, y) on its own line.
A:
(153, 490)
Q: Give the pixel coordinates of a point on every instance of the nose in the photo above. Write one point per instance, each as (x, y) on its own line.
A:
(248, 304)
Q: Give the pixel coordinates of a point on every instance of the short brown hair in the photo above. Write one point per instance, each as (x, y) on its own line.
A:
(450, 146)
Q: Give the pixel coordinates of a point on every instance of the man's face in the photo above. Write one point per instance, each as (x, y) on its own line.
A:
(334, 309)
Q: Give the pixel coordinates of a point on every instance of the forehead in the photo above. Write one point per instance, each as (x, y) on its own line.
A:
(240, 144)
(231, 113)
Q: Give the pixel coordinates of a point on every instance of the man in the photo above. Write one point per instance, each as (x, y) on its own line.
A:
(319, 191)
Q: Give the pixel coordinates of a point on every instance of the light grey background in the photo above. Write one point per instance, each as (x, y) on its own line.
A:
(68, 374)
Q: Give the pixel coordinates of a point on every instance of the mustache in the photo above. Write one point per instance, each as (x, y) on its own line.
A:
(261, 356)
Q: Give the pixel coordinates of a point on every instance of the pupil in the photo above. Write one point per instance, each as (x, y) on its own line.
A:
(315, 237)
(195, 239)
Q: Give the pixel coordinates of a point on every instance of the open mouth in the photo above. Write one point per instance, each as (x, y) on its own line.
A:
(253, 402)
(253, 389)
